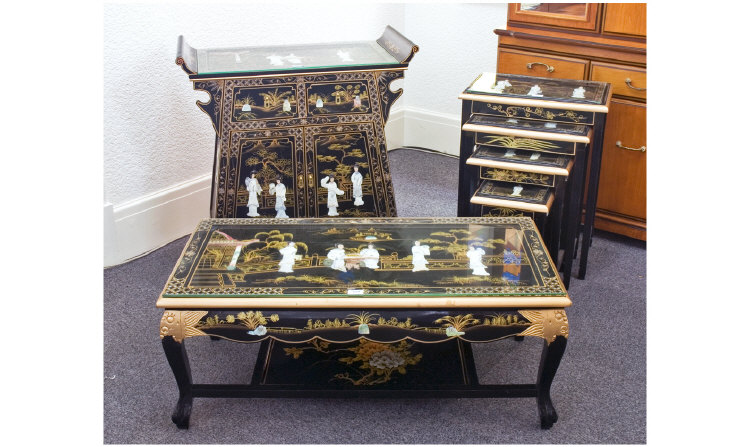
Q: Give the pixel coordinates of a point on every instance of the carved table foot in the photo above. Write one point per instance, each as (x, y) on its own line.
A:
(181, 413)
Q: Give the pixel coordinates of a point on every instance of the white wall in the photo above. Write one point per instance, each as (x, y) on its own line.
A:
(158, 146)
(456, 43)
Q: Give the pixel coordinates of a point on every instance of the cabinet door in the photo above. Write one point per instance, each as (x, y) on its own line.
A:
(334, 151)
(272, 154)
(622, 185)
(625, 18)
(567, 15)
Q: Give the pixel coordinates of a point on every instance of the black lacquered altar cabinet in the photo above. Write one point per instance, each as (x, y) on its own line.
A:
(299, 114)
(367, 307)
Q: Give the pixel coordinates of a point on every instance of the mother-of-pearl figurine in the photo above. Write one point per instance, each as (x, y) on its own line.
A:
(279, 190)
(475, 261)
(329, 183)
(275, 60)
(287, 258)
(357, 101)
(337, 255)
(578, 93)
(357, 187)
(247, 108)
(535, 91)
(370, 256)
(517, 190)
(319, 103)
(253, 191)
(501, 85)
(418, 253)
(286, 106)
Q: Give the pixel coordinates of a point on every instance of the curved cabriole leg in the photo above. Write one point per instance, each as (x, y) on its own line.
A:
(178, 361)
(551, 356)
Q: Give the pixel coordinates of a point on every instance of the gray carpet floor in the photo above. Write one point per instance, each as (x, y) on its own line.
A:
(599, 391)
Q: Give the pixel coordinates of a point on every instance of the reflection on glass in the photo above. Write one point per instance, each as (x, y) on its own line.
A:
(372, 259)
(567, 9)
(298, 57)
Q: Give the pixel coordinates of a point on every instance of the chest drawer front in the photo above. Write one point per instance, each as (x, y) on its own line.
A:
(498, 211)
(264, 103)
(338, 98)
(533, 113)
(513, 176)
(626, 81)
(536, 64)
(509, 142)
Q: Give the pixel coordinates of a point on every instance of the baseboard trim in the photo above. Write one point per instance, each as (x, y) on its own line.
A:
(432, 130)
(139, 226)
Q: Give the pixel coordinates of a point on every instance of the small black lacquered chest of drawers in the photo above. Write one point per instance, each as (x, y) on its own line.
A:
(524, 143)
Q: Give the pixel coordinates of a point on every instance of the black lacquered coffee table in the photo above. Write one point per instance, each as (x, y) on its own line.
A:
(381, 307)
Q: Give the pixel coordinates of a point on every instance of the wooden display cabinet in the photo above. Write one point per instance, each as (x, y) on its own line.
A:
(603, 42)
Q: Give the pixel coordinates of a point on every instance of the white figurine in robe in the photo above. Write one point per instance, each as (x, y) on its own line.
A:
(279, 190)
(475, 261)
(357, 187)
(333, 191)
(287, 258)
(253, 191)
(337, 256)
(371, 256)
(418, 252)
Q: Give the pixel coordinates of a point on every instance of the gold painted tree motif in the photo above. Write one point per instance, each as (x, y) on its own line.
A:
(518, 176)
(520, 143)
(239, 103)
(346, 154)
(456, 242)
(274, 100)
(459, 322)
(272, 241)
(267, 161)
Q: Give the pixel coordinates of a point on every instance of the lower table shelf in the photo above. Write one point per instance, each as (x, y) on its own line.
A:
(364, 364)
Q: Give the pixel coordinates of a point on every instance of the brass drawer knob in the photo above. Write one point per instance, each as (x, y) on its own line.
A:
(629, 81)
(618, 143)
(550, 68)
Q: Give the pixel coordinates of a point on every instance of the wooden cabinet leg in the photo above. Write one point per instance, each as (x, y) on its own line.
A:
(551, 356)
(178, 361)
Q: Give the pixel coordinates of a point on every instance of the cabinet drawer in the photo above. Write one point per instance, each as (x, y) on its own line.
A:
(338, 98)
(618, 76)
(537, 64)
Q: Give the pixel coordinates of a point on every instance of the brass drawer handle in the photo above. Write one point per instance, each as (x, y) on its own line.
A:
(628, 83)
(550, 68)
(618, 143)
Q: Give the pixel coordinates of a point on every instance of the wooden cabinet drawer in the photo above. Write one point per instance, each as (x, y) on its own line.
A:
(618, 76)
(622, 185)
(536, 64)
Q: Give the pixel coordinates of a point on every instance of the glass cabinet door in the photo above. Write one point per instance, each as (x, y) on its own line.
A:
(567, 15)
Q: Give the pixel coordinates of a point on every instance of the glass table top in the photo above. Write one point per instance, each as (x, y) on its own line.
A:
(292, 57)
(384, 258)
(547, 89)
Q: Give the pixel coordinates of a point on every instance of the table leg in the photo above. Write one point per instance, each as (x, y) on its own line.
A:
(178, 361)
(593, 191)
(551, 356)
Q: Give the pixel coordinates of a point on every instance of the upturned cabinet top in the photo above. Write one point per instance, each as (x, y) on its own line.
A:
(391, 50)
